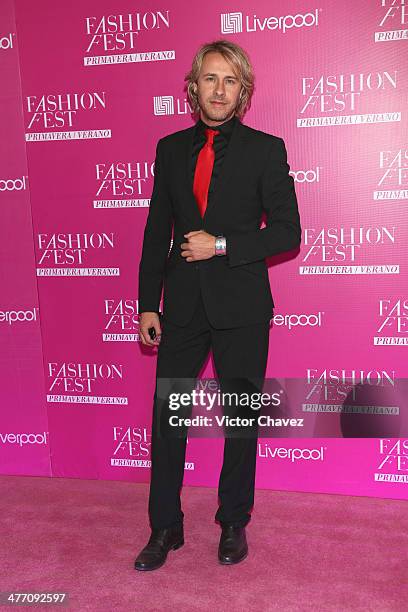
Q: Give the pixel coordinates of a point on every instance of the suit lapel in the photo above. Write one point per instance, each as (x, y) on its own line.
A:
(233, 155)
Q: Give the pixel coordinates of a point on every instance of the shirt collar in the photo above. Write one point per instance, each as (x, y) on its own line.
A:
(224, 128)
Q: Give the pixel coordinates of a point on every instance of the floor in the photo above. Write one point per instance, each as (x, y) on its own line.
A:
(306, 551)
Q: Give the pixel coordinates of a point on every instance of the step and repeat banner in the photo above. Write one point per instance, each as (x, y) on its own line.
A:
(87, 89)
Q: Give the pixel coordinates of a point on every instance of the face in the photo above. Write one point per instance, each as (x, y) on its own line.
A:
(218, 89)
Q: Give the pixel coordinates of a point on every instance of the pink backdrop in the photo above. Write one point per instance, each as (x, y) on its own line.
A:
(86, 93)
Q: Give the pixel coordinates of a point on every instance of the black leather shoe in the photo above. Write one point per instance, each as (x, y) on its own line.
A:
(155, 552)
(233, 546)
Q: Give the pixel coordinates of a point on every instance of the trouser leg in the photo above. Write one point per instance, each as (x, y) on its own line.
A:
(181, 354)
(240, 353)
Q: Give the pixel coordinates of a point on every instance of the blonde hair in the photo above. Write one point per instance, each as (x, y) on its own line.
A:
(238, 58)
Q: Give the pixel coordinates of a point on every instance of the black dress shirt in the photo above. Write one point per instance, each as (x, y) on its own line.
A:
(220, 145)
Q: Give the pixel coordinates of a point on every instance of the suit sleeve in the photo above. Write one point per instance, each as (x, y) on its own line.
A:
(282, 231)
(156, 240)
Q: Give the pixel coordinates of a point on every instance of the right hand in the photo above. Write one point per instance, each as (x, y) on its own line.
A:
(146, 320)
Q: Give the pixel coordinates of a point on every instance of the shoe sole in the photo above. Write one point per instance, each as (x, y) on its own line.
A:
(150, 569)
(225, 562)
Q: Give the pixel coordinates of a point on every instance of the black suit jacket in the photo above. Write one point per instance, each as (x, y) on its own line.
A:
(235, 288)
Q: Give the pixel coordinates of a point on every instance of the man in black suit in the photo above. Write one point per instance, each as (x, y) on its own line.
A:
(212, 183)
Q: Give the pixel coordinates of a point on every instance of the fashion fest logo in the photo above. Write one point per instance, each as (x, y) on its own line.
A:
(77, 382)
(393, 181)
(112, 39)
(336, 250)
(335, 99)
(132, 448)
(120, 184)
(394, 20)
(333, 390)
(393, 463)
(121, 320)
(67, 254)
(170, 105)
(62, 111)
(234, 23)
(393, 328)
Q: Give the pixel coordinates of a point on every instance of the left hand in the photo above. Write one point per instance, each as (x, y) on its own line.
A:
(200, 245)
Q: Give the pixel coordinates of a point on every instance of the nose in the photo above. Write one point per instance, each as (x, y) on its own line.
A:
(220, 88)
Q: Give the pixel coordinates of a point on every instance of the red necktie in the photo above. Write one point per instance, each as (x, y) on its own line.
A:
(203, 171)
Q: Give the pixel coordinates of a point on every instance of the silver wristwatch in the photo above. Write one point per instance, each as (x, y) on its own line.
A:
(220, 245)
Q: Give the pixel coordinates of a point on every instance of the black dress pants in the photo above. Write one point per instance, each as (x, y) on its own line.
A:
(237, 352)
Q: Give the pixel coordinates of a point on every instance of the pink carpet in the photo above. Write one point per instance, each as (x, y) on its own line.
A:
(306, 551)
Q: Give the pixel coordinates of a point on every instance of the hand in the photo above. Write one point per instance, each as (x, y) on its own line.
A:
(200, 245)
(146, 320)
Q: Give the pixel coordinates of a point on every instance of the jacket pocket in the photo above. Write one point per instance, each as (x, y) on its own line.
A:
(255, 268)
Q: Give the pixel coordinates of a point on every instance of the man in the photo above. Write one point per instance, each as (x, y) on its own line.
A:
(212, 181)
